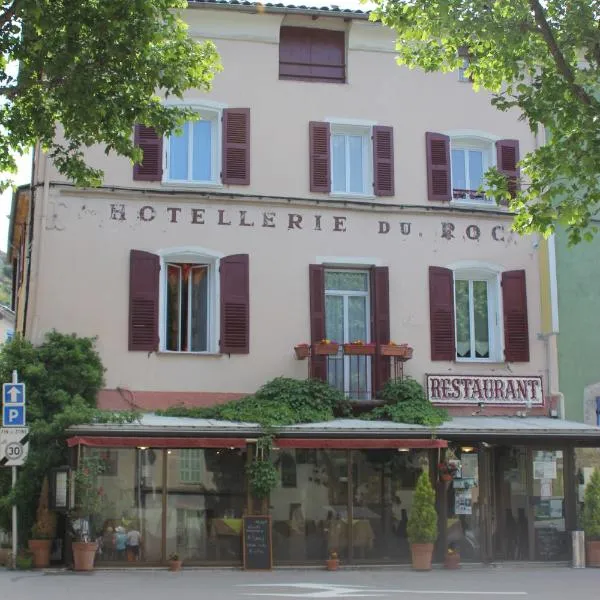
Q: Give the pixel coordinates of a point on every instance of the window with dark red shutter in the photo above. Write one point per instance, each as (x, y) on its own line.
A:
(441, 313)
(144, 273)
(380, 303)
(235, 304)
(383, 161)
(236, 146)
(312, 54)
(150, 169)
(319, 157)
(316, 286)
(438, 166)
(516, 328)
(507, 157)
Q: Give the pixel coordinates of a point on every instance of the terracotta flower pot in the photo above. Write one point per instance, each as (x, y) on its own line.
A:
(302, 351)
(366, 349)
(175, 565)
(84, 554)
(323, 349)
(333, 564)
(421, 556)
(592, 553)
(41, 553)
(452, 561)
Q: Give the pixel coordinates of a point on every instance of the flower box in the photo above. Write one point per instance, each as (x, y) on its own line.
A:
(398, 350)
(359, 349)
(302, 351)
(325, 348)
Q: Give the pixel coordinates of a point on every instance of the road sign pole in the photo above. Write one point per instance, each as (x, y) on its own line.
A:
(15, 379)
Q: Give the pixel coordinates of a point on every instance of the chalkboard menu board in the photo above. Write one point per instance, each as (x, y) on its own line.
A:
(257, 543)
(551, 544)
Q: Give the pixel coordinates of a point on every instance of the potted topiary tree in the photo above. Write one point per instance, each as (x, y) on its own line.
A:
(43, 531)
(422, 524)
(591, 520)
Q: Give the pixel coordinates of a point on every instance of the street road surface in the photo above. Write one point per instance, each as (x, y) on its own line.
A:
(501, 583)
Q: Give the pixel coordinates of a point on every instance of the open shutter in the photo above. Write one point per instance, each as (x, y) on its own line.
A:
(236, 146)
(150, 169)
(516, 328)
(235, 304)
(316, 286)
(383, 160)
(144, 272)
(319, 159)
(507, 157)
(380, 285)
(438, 166)
(441, 313)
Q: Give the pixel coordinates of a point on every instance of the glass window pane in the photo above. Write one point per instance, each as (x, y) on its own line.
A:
(202, 151)
(173, 322)
(480, 308)
(458, 170)
(199, 292)
(463, 326)
(357, 318)
(475, 169)
(347, 280)
(178, 154)
(334, 318)
(338, 163)
(355, 144)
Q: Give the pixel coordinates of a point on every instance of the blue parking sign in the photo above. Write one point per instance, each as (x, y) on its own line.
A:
(13, 415)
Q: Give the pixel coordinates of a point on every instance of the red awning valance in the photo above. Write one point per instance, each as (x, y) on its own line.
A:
(155, 442)
(362, 444)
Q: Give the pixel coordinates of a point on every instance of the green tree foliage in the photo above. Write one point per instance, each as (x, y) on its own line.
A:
(63, 376)
(542, 58)
(422, 523)
(94, 67)
(591, 507)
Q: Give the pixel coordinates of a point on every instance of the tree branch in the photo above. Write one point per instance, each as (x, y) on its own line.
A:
(563, 67)
(8, 14)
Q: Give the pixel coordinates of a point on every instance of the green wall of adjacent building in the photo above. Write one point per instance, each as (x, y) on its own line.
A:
(578, 282)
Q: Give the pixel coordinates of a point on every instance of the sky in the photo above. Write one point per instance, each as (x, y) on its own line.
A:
(24, 163)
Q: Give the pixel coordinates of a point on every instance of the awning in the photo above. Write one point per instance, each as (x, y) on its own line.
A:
(155, 442)
(359, 444)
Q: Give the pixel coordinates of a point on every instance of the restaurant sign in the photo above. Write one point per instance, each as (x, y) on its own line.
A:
(474, 389)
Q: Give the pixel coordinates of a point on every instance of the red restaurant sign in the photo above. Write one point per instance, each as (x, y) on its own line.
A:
(472, 389)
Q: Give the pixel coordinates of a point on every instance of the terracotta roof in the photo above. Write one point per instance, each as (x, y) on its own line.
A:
(332, 9)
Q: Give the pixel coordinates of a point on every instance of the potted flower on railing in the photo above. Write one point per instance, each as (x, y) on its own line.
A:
(358, 347)
(324, 348)
(397, 350)
(447, 470)
(302, 351)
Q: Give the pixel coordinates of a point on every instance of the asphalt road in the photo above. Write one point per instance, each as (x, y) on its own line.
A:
(502, 583)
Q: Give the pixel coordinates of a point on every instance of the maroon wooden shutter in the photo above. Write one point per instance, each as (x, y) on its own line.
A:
(316, 286)
(235, 304)
(507, 157)
(516, 328)
(236, 146)
(438, 166)
(441, 313)
(320, 168)
(150, 169)
(144, 272)
(383, 161)
(380, 295)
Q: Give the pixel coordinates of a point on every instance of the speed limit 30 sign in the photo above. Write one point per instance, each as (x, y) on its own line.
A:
(14, 445)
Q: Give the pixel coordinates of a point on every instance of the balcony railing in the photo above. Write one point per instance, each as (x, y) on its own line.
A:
(459, 194)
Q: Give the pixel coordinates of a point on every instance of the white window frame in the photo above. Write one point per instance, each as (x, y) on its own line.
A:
(199, 256)
(214, 115)
(461, 71)
(354, 293)
(487, 148)
(493, 276)
(366, 132)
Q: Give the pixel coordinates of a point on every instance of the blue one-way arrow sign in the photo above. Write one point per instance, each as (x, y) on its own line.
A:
(13, 393)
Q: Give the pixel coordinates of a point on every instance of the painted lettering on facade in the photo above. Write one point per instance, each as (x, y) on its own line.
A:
(470, 389)
(227, 217)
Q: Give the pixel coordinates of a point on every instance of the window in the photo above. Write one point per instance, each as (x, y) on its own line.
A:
(351, 171)
(192, 153)
(312, 54)
(475, 309)
(470, 159)
(461, 71)
(347, 318)
(191, 465)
